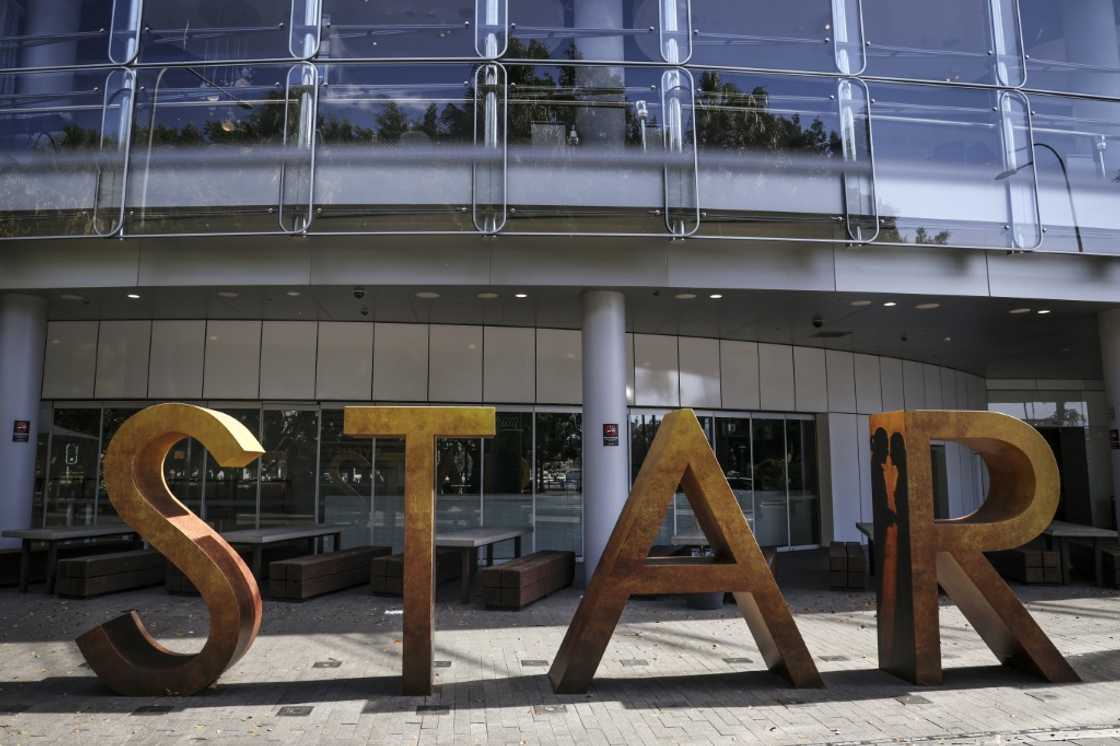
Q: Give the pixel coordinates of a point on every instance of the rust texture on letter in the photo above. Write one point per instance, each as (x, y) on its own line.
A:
(918, 553)
(122, 652)
(680, 455)
(419, 427)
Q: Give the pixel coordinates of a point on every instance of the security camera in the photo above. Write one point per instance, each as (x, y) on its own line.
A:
(365, 311)
(359, 293)
(905, 338)
(818, 322)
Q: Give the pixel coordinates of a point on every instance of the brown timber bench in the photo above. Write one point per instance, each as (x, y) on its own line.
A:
(9, 558)
(847, 566)
(175, 582)
(96, 575)
(386, 574)
(1028, 564)
(520, 582)
(313, 575)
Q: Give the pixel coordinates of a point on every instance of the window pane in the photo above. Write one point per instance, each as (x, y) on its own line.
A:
(643, 429)
(617, 145)
(784, 156)
(42, 437)
(804, 495)
(220, 31)
(288, 467)
(110, 423)
(221, 150)
(183, 472)
(559, 482)
(957, 41)
(458, 484)
(1072, 46)
(72, 487)
(770, 518)
(507, 490)
(953, 167)
(431, 135)
(618, 31)
(231, 492)
(399, 29)
(686, 518)
(58, 33)
(388, 493)
(62, 145)
(733, 451)
(1077, 154)
(811, 35)
(345, 480)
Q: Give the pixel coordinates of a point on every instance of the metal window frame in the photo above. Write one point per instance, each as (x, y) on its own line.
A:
(107, 62)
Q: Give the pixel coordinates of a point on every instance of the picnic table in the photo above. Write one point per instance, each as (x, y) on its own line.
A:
(258, 538)
(1064, 534)
(53, 537)
(469, 540)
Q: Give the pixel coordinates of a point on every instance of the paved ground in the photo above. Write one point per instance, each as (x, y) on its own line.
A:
(323, 672)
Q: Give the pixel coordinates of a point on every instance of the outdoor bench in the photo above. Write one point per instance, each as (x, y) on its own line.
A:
(95, 575)
(313, 575)
(518, 583)
(386, 574)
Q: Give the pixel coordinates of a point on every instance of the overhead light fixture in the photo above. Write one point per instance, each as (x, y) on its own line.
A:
(229, 294)
(1019, 311)
(948, 339)
(74, 297)
(890, 304)
(427, 295)
(134, 296)
(1043, 311)
(860, 303)
(716, 296)
(927, 306)
(521, 296)
(487, 296)
(293, 293)
(685, 296)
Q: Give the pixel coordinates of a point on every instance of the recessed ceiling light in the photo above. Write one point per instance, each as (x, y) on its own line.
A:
(427, 295)
(134, 296)
(716, 296)
(229, 294)
(1019, 311)
(72, 297)
(860, 303)
(487, 296)
(685, 296)
(293, 293)
(521, 296)
(927, 306)
(948, 339)
(1043, 311)
(889, 304)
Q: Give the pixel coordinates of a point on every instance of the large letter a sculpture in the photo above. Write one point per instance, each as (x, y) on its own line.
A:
(681, 455)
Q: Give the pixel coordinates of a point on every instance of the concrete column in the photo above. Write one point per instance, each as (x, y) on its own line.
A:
(603, 127)
(45, 19)
(1109, 327)
(23, 330)
(606, 468)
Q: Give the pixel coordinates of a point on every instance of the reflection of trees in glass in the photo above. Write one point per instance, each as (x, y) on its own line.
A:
(392, 122)
(921, 236)
(263, 125)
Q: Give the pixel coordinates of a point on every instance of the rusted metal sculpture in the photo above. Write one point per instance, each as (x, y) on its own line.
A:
(419, 427)
(122, 652)
(680, 455)
(918, 553)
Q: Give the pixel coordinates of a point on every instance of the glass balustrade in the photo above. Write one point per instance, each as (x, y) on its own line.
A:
(404, 30)
(38, 34)
(1072, 47)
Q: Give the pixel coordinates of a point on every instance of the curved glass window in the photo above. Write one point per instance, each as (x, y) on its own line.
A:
(410, 149)
(597, 149)
(228, 31)
(221, 150)
(1077, 154)
(405, 30)
(600, 30)
(954, 167)
(809, 35)
(63, 139)
(954, 41)
(64, 33)
(1073, 46)
(784, 157)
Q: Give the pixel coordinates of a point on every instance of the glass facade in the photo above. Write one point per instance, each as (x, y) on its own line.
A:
(529, 474)
(971, 123)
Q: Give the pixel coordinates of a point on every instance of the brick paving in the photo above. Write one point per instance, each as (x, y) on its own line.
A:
(323, 671)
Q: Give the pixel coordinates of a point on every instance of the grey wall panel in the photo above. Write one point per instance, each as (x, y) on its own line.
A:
(932, 376)
(700, 372)
(1058, 276)
(400, 362)
(775, 377)
(739, 375)
(122, 360)
(344, 369)
(844, 439)
(177, 355)
(233, 360)
(70, 360)
(841, 381)
(811, 379)
(288, 353)
(559, 366)
(894, 393)
(869, 386)
(508, 365)
(454, 364)
(915, 270)
(863, 445)
(914, 384)
(656, 372)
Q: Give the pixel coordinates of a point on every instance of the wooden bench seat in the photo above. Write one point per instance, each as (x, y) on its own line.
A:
(386, 574)
(518, 583)
(313, 575)
(10, 558)
(85, 577)
(179, 584)
(847, 566)
(1028, 564)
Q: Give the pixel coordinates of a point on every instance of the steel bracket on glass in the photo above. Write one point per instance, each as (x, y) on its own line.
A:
(859, 189)
(305, 141)
(490, 82)
(491, 20)
(1022, 199)
(678, 163)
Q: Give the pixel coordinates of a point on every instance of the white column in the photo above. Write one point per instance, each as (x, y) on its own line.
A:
(47, 19)
(606, 468)
(23, 329)
(1109, 326)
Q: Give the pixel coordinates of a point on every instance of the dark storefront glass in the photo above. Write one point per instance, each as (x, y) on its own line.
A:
(733, 451)
(388, 493)
(458, 484)
(559, 481)
(771, 520)
(804, 495)
(507, 485)
(1072, 46)
(685, 520)
(72, 483)
(57, 33)
(111, 422)
(345, 480)
(182, 470)
(643, 428)
(231, 492)
(290, 439)
(42, 438)
(401, 29)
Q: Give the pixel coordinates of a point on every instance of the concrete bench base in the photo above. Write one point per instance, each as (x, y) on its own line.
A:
(85, 577)
(386, 574)
(315, 574)
(519, 583)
